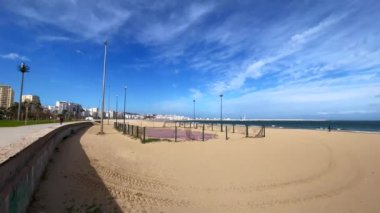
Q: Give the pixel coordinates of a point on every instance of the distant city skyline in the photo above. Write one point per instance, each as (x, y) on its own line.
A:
(270, 59)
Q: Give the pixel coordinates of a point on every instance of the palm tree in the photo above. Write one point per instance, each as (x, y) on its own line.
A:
(23, 68)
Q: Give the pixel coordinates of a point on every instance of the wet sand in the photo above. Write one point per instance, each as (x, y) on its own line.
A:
(287, 171)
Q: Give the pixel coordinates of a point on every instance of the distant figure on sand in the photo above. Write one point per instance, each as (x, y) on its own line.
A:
(60, 120)
(329, 128)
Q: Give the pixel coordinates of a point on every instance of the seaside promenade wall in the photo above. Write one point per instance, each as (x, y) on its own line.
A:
(20, 174)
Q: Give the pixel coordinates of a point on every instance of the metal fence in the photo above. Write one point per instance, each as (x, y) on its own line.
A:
(249, 131)
(166, 133)
(188, 131)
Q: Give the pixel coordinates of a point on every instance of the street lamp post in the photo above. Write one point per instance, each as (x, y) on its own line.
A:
(109, 114)
(23, 68)
(194, 109)
(104, 84)
(125, 96)
(117, 97)
(221, 112)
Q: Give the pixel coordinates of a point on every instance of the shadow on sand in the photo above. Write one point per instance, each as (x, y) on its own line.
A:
(71, 184)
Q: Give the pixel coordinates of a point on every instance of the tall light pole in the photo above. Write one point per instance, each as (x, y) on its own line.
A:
(116, 107)
(221, 112)
(104, 85)
(23, 68)
(109, 99)
(194, 109)
(125, 96)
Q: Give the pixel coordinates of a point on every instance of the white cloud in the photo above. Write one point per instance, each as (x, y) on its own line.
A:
(349, 95)
(253, 70)
(88, 19)
(53, 38)
(15, 56)
(153, 30)
(195, 93)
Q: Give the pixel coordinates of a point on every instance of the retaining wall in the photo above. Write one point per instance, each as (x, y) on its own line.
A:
(20, 174)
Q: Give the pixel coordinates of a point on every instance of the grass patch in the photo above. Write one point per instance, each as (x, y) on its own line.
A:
(13, 123)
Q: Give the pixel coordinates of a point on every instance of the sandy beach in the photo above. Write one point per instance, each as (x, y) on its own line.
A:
(287, 171)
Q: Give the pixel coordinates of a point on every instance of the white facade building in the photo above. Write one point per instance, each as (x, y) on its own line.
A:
(30, 99)
(6, 96)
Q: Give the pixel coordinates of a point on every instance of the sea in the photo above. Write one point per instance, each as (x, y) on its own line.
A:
(337, 125)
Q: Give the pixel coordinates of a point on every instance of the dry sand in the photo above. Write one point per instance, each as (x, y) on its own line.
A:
(287, 171)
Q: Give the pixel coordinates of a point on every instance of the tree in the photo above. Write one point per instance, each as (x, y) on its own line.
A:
(12, 111)
(2, 113)
(23, 68)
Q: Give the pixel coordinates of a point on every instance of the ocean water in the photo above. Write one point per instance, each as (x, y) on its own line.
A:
(364, 126)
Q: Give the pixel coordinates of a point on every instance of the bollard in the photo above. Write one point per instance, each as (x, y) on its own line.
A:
(137, 132)
(132, 130)
(212, 126)
(233, 128)
(264, 130)
(203, 133)
(246, 131)
(144, 131)
(226, 133)
(175, 134)
(124, 129)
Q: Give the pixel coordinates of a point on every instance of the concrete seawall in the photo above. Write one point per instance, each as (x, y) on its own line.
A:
(20, 174)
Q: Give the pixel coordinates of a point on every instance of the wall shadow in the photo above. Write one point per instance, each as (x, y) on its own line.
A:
(71, 184)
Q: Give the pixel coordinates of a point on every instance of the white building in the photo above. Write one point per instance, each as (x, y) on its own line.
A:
(69, 108)
(110, 114)
(171, 117)
(30, 99)
(6, 96)
(93, 112)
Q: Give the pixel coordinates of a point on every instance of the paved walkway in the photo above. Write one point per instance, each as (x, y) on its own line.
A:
(9, 135)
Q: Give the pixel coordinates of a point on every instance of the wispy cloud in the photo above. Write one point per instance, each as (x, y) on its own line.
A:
(157, 30)
(86, 19)
(195, 93)
(15, 56)
(254, 70)
(53, 38)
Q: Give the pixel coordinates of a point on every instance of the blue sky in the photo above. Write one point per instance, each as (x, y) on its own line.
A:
(270, 59)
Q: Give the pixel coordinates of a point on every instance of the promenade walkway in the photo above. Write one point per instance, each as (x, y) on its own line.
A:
(15, 139)
(10, 135)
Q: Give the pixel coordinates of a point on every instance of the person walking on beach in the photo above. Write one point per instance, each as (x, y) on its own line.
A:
(329, 128)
